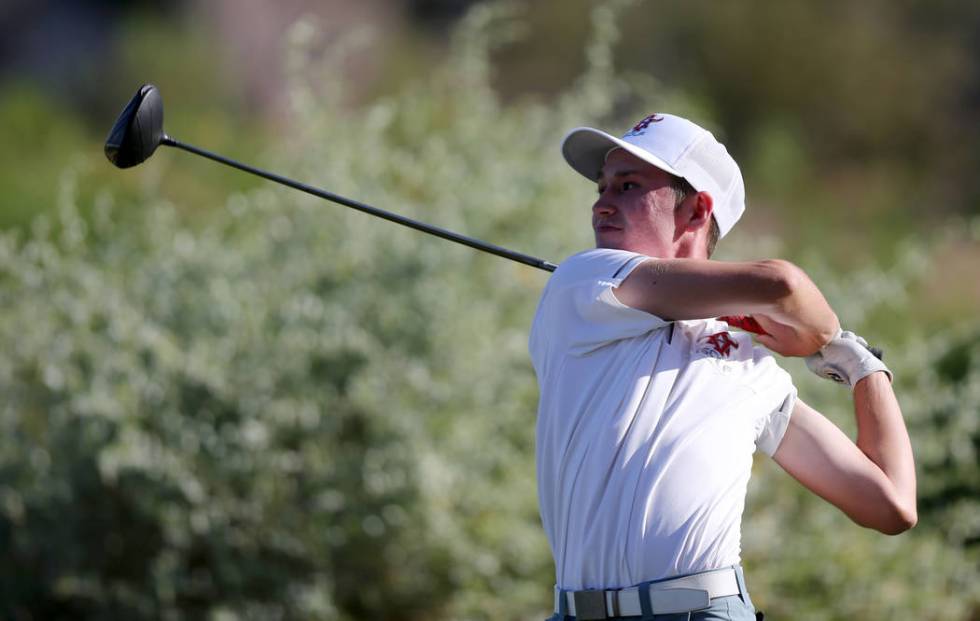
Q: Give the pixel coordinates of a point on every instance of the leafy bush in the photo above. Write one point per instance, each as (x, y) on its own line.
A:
(297, 411)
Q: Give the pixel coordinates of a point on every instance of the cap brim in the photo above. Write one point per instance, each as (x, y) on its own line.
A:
(585, 150)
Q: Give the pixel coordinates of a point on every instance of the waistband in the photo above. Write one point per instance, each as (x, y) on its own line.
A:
(684, 594)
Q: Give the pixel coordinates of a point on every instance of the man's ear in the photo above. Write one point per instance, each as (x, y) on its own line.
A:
(701, 207)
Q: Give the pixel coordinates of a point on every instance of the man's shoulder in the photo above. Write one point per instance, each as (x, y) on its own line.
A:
(596, 263)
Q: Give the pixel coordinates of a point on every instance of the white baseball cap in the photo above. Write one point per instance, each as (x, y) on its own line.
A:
(674, 145)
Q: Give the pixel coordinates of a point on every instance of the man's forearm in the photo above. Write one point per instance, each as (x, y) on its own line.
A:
(882, 436)
(699, 288)
(780, 295)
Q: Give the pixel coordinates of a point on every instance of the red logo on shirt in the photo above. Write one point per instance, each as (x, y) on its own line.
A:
(720, 345)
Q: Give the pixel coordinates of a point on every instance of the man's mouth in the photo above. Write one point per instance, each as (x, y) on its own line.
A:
(605, 227)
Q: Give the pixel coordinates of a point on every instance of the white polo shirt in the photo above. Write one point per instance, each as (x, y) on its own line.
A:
(645, 430)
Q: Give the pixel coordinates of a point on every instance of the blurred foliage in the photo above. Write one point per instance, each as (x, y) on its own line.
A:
(856, 121)
(286, 409)
(47, 131)
(35, 138)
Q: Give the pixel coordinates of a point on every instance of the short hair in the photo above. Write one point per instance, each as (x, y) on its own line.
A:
(682, 189)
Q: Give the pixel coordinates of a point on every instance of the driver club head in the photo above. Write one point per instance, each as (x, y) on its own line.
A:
(138, 130)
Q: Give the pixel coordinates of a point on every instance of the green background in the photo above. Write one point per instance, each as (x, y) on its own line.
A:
(226, 400)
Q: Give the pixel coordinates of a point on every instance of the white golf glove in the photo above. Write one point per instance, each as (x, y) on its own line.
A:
(846, 359)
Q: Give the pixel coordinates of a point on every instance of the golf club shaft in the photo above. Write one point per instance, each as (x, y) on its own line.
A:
(374, 211)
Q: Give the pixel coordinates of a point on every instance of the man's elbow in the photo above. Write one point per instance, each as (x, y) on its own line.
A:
(896, 520)
(904, 519)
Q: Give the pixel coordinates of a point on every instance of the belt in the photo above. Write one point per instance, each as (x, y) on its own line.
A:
(684, 594)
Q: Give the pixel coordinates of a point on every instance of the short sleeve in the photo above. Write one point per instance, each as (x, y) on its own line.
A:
(579, 312)
(773, 426)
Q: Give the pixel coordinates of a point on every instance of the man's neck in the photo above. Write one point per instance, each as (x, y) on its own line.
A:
(680, 249)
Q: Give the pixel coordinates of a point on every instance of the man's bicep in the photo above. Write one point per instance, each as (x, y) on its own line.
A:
(699, 288)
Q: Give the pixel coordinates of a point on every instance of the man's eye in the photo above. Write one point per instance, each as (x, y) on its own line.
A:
(629, 185)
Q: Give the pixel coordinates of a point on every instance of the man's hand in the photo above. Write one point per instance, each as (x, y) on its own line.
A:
(786, 340)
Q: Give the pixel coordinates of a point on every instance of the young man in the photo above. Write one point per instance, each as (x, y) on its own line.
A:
(651, 409)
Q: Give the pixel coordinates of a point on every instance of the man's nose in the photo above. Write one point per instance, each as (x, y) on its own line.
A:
(602, 207)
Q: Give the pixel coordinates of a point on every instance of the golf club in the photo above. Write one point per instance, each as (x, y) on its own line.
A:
(138, 132)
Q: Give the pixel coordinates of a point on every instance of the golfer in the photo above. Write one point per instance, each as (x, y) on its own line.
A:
(651, 406)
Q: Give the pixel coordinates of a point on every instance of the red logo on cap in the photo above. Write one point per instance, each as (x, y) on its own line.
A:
(640, 127)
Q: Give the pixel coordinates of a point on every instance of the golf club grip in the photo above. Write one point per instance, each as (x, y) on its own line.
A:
(374, 211)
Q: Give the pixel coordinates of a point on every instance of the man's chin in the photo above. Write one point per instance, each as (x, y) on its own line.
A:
(612, 242)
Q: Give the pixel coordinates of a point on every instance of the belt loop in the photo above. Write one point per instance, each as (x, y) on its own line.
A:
(743, 591)
(645, 607)
(562, 605)
(612, 603)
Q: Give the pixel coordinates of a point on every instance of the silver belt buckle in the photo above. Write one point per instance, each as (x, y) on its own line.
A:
(590, 605)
